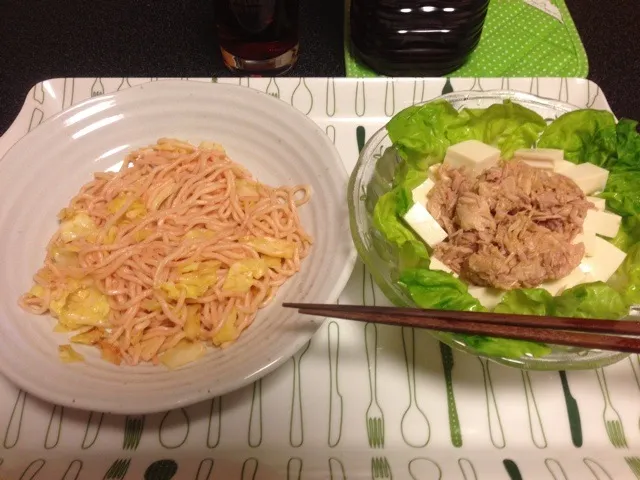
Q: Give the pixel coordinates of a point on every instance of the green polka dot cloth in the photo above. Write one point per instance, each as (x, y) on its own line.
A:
(521, 38)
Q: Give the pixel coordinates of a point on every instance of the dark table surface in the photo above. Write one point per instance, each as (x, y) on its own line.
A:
(41, 39)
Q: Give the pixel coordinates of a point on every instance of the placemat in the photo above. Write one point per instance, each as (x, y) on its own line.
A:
(521, 38)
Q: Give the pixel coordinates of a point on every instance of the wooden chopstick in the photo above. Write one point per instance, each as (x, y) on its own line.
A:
(576, 332)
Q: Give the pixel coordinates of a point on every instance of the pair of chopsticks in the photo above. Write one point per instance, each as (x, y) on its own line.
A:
(613, 335)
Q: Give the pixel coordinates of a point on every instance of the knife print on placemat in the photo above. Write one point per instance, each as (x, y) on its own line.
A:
(512, 469)
(598, 471)
(255, 416)
(414, 426)
(573, 412)
(467, 469)
(164, 469)
(92, 429)
(296, 420)
(335, 397)
(32, 470)
(330, 106)
(214, 426)
(294, 469)
(555, 469)
(205, 469)
(336, 469)
(390, 98)
(133, 429)
(447, 88)
(423, 468)
(73, 470)
(174, 428)
(12, 433)
(54, 429)
(536, 427)
(67, 92)
(38, 93)
(496, 431)
(454, 421)
(360, 105)
(249, 469)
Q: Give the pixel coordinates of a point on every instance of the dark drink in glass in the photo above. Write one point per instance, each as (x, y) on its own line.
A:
(258, 37)
(424, 38)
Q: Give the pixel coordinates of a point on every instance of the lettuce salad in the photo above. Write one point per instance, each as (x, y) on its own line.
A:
(421, 135)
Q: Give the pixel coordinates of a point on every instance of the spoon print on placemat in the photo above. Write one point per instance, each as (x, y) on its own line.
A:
(164, 469)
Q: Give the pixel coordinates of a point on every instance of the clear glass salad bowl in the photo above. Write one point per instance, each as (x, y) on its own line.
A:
(373, 176)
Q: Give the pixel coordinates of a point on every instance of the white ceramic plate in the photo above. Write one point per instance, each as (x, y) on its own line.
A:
(39, 175)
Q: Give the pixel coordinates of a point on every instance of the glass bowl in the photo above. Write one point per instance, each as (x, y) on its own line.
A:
(372, 177)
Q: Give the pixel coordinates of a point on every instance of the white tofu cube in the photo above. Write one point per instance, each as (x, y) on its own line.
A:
(436, 264)
(544, 158)
(589, 177)
(472, 155)
(604, 262)
(555, 287)
(419, 193)
(487, 296)
(602, 223)
(600, 203)
(433, 172)
(589, 240)
(562, 166)
(427, 228)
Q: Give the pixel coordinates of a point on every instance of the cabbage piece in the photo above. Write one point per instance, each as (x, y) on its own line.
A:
(79, 305)
(135, 210)
(228, 332)
(184, 352)
(90, 337)
(198, 233)
(242, 274)
(79, 226)
(192, 324)
(274, 247)
(194, 280)
(272, 262)
(68, 354)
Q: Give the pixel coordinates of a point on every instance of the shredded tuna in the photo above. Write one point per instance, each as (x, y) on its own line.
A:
(511, 227)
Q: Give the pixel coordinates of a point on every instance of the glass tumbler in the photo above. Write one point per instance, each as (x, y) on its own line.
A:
(258, 37)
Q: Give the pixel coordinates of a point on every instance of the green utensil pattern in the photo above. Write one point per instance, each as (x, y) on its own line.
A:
(573, 412)
(446, 353)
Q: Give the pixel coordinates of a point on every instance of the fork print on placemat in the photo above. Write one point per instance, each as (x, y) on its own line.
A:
(380, 469)
(610, 416)
(97, 88)
(272, 88)
(374, 416)
(634, 465)
(133, 428)
(118, 469)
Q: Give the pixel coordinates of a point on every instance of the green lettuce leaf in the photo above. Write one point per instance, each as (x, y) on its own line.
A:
(526, 301)
(584, 135)
(629, 233)
(508, 126)
(438, 290)
(627, 146)
(626, 280)
(418, 132)
(622, 192)
(505, 347)
(591, 300)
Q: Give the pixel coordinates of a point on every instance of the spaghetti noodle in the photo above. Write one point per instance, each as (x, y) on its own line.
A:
(180, 247)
